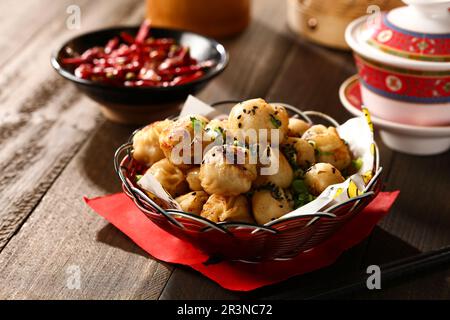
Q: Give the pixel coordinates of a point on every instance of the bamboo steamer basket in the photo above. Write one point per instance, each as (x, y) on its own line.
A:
(214, 18)
(324, 21)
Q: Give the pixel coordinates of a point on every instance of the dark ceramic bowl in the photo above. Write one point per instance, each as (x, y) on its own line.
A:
(136, 104)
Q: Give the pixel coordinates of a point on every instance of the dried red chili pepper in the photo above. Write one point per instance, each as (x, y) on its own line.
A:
(128, 38)
(187, 69)
(143, 32)
(139, 61)
(111, 45)
(187, 78)
(75, 60)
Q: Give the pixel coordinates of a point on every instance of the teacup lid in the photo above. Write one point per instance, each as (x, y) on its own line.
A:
(418, 33)
(425, 17)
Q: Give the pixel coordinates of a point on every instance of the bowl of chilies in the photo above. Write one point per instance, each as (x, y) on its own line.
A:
(133, 72)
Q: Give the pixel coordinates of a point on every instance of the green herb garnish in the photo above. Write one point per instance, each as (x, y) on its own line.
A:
(299, 186)
(138, 177)
(323, 153)
(291, 154)
(357, 163)
(275, 121)
(300, 193)
(302, 198)
(196, 124)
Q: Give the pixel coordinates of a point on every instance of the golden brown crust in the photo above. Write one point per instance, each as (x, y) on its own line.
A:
(329, 146)
(193, 179)
(171, 178)
(304, 155)
(297, 127)
(193, 201)
(221, 208)
(282, 177)
(173, 135)
(146, 147)
(257, 114)
(218, 176)
(267, 207)
(320, 176)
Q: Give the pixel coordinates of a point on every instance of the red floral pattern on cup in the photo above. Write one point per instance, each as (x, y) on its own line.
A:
(408, 44)
(404, 85)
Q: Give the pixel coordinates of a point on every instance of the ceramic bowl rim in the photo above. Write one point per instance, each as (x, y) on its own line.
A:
(436, 131)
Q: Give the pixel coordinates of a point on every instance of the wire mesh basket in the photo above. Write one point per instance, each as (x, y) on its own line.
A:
(281, 239)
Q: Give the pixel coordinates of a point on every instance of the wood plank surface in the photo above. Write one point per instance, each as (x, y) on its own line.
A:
(40, 128)
(63, 227)
(56, 148)
(62, 232)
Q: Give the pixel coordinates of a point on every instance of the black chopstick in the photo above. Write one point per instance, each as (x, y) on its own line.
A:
(394, 270)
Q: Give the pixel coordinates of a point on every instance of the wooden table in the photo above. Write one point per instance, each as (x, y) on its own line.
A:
(55, 148)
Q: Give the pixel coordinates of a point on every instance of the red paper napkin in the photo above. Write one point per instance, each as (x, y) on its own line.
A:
(122, 213)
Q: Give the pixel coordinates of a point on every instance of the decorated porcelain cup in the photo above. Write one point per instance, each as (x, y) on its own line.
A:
(403, 61)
